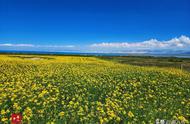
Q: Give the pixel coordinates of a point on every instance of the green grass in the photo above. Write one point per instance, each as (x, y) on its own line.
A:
(179, 63)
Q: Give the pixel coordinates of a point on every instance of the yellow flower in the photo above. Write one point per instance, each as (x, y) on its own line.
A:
(61, 114)
(118, 119)
(89, 90)
(51, 122)
(42, 93)
(111, 114)
(182, 102)
(41, 111)
(3, 112)
(27, 113)
(4, 119)
(130, 114)
(101, 120)
(141, 107)
(183, 119)
(16, 107)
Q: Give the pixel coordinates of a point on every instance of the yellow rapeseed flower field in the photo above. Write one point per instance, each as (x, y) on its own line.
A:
(73, 89)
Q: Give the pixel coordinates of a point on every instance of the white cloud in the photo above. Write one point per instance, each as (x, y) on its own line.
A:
(32, 45)
(181, 42)
(56, 46)
(175, 45)
(17, 45)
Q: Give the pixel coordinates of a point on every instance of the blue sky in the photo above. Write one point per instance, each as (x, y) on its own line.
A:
(94, 25)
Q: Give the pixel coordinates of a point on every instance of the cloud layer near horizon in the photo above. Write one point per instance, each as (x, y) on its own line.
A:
(16, 45)
(181, 43)
(32, 45)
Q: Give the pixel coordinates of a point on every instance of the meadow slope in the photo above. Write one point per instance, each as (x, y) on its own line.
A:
(74, 89)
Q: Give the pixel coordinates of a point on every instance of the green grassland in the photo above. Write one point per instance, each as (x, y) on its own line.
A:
(78, 89)
(174, 62)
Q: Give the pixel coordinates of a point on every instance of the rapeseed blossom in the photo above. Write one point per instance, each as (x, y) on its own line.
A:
(70, 89)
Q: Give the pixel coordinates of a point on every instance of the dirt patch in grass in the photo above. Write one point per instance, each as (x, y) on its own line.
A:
(32, 57)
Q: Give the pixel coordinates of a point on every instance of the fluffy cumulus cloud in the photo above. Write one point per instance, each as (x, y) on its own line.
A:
(181, 42)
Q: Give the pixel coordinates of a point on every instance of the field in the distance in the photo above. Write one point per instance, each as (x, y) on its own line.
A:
(76, 89)
(174, 62)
